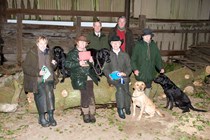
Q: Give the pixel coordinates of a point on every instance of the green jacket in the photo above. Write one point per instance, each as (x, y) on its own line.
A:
(98, 42)
(79, 74)
(146, 62)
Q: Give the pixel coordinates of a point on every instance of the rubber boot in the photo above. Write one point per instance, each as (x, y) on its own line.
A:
(86, 116)
(147, 91)
(92, 113)
(128, 111)
(43, 121)
(51, 118)
(121, 113)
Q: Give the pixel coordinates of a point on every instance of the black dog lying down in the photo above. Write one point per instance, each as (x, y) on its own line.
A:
(100, 57)
(175, 95)
(60, 57)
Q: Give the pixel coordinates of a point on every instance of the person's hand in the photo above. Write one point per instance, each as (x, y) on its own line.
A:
(91, 59)
(136, 72)
(83, 63)
(122, 74)
(53, 62)
(162, 71)
(41, 72)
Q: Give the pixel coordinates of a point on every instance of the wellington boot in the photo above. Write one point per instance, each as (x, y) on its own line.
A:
(92, 118)
(51, 118)
(43, 121)
(86, 118)
(128, 111)
(121, 113)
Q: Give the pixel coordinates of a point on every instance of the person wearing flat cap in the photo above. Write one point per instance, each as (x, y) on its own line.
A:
(120, 63)
(82, 77)
(146, 60)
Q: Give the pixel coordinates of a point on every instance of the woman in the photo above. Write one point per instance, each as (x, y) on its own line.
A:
(82, 78)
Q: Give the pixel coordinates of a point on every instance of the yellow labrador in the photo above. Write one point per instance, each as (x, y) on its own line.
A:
(140, 99)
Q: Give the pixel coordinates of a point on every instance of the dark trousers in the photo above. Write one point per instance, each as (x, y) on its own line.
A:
(45, 99)
(123, 97)
(87, 95)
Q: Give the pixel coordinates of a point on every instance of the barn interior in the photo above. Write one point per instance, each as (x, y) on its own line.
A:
(182, 34)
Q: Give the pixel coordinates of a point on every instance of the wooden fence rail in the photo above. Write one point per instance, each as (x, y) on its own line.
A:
(63, 12)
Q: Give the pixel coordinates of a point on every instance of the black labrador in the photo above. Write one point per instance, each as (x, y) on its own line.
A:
(175, 95)
(60, 57)
(100, 57)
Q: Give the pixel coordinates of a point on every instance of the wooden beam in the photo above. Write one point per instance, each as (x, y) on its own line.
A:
(63, 12)
(19, 40)
(142, 21)
(177, 20)
(127, 12)
(136, 30)
(172, 53)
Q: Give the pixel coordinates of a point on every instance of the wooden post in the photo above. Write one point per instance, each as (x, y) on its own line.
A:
(127, 12)
(78, 25)
(3, 7)
(19, 38)
(142, 21)
(185, 41)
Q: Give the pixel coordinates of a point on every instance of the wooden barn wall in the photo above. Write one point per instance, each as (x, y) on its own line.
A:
(172, 9)
(84, 5)
(176, 41)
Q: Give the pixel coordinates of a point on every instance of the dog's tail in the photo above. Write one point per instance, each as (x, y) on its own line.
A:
(159, 113)
(195, 109)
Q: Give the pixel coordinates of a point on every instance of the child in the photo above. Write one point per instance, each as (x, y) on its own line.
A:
(39, 79)
(120, 61)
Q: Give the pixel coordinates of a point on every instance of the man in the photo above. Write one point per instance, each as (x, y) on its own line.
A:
(125, 34)
(38, 79)
(97, 38)
(120, 61)
(146, 59)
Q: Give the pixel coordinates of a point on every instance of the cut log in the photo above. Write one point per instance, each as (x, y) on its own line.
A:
(66, 97)
(208, 70)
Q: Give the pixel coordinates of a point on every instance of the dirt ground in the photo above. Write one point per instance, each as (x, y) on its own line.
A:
(22, 125)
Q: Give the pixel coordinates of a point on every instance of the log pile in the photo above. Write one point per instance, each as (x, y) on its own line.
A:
(197, 57)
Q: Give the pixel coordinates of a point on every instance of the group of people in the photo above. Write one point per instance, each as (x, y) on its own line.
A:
(142, 58)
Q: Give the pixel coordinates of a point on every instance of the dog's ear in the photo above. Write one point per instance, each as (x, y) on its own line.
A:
(136, 86)
(145, 86)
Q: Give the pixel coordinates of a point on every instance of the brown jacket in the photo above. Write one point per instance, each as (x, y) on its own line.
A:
(31, 70)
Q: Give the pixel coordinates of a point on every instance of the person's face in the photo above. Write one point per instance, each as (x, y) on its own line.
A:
(81, 45)
(42, 44)
(97, 27)
(115, 45)
(147, 38)
(121, 22)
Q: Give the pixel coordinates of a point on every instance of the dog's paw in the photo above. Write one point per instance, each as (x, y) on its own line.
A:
(139, 118)
(150, 116)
